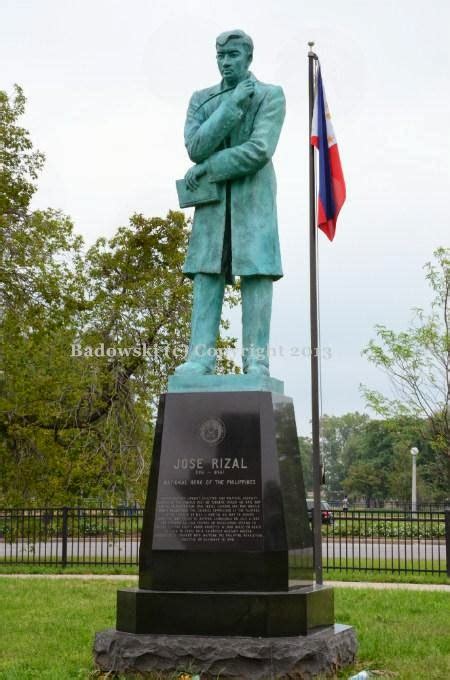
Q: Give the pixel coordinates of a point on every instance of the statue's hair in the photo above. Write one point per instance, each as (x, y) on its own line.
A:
(237, 34)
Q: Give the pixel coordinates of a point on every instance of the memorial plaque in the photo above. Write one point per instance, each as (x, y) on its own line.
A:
(209, 489)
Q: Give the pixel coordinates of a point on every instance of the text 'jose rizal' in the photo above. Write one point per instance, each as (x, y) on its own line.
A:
(213, 464)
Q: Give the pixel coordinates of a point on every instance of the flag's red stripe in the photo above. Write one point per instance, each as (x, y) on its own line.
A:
(329, 228)
(337, 176)
(321, 215)
(328, 225)
(337, 179)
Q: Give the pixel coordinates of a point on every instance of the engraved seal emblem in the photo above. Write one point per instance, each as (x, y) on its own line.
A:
(213, 431)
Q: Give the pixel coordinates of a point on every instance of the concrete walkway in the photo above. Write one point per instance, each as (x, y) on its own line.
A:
(336, 584)
(389, 586)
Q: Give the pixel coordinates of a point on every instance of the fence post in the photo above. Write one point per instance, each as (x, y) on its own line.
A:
(447, 539)
(64, 537)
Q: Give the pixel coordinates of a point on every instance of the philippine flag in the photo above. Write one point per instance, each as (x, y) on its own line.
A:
(331, 178)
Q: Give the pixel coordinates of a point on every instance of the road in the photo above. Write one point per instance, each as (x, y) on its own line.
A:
(120, 551)
(374, 550)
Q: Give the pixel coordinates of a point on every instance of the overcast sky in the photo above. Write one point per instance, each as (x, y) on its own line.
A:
(108, 83)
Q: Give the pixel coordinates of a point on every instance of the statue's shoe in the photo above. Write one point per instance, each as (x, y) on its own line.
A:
(192, 368)
(257, 369)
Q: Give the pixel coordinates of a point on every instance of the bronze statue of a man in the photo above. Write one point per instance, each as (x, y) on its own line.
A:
(231, 133)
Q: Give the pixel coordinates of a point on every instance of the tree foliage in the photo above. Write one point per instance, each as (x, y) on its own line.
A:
(370, 460)
(335, 432)
(417, 362)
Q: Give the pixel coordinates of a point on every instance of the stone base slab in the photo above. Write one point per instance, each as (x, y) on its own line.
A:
(294, 612)
(239, 382)
(322, 652)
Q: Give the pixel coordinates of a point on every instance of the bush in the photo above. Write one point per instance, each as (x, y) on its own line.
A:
(425, 529)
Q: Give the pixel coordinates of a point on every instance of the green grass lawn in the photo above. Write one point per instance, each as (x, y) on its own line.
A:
(47, 629)
(57, 569)
(406, 634)
(328, 574)
(384, 576)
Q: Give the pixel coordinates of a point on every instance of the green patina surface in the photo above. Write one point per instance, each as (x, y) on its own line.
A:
(231, 133)
(237, 143)
(225, 383)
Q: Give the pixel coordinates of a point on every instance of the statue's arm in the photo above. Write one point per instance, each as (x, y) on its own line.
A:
(252, 155)
(202, 135)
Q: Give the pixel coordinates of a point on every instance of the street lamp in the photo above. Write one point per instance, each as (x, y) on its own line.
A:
(414, 452)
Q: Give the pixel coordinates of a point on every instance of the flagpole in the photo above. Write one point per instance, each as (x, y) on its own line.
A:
(317, 476)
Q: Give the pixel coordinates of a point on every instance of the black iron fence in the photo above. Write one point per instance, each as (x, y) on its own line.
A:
(384, 541)
(387, 505)
(70, 536)
(387, 541)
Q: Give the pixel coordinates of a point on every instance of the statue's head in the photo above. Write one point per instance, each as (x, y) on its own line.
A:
(234, 54)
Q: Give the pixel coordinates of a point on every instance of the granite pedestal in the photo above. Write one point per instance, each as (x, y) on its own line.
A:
(226, 547)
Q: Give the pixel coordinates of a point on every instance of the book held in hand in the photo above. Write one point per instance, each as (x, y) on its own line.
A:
(206, 192)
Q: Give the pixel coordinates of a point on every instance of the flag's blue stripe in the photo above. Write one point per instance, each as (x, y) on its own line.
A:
(325, 190)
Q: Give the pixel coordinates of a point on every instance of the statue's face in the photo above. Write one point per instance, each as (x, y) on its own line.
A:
(233, 60)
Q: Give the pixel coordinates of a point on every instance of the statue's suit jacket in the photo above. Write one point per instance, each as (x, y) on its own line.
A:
(237, 146)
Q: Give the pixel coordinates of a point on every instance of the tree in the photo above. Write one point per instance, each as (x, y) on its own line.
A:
(335, 432)
(371, 459)
(417, 361)
(377, 460)
(75, 420)
(363, 480)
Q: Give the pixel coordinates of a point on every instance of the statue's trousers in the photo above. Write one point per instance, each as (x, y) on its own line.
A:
(206, 311)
